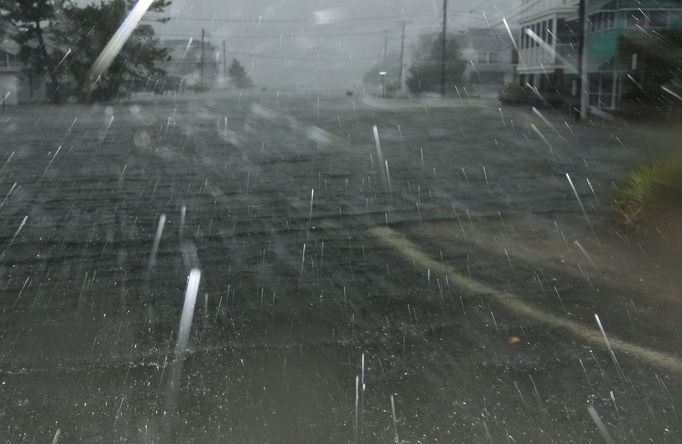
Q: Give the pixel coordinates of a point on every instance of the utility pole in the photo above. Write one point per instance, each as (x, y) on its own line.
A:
(201, 63)
(582, 62)
(444, 44)
(402, 55)
(224, 62)
(385, 47)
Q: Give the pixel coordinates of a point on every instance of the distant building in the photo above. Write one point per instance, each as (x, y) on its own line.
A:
(17, 83)
(186, 61)
(10, 72)
(489, 54)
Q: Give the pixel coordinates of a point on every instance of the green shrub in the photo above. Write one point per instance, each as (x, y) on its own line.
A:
(651, 195)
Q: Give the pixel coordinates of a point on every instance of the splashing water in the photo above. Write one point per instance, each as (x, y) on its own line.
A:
(312, 199)
(542, 136)
(52, 160)
(182, 340)
(14, 186)
(55, 440)
(608, 345)
(380, 156)
(582, 208)
(183, 212)
(16, 233)
(395, 421)
(157, 240)
(188, 311)
(600, 425)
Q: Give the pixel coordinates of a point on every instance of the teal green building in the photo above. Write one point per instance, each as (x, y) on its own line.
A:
(633, 50)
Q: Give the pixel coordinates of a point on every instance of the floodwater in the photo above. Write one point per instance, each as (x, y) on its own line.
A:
(434, 281)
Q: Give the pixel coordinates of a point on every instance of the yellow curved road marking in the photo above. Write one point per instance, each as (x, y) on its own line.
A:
(515, 303)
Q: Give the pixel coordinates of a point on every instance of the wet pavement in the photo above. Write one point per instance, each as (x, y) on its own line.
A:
(447, 252)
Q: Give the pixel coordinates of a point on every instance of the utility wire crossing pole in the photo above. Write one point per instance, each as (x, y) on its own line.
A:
(401, 69)
(201, 62)
(444, 44)
(224, 62)
(385, 47)
(583, 72)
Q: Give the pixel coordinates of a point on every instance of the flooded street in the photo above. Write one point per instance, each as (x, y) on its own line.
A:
(454, 276)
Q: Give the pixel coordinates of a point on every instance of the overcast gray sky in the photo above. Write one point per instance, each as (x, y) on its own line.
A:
(320, 42)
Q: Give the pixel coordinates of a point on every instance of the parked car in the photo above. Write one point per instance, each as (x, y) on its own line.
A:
(526, 95)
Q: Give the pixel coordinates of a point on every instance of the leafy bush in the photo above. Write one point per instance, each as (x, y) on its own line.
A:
(238, 75)
(651, 199)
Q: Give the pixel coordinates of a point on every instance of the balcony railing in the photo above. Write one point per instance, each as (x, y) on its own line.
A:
(567, 54)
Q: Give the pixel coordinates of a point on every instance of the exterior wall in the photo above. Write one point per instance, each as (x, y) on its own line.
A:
(609, 21)
(186, 60)
(489, 57)
(603, 41)
(9, 73)
(546, 18)
(533, 10)
(551, 67)
(9, 86)
(499, 72)
(32, 88)
(16, 84)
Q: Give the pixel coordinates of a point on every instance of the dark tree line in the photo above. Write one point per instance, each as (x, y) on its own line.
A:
(425, 73)
(238, 76)
(60, 40)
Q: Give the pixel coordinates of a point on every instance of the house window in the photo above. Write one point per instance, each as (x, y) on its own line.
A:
(482, 57)
(531, 28)
(636, 18)
(562, 31)
(544, 31)
(658, 19)
(523, 37)
(492, 57)
(654, 18)
(7, 59)
(529, 42)
(602, 20)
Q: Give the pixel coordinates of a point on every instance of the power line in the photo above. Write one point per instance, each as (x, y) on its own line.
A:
(402, 55)
(286, 35)
(298, 34)
(295, 58)
(516, 14)
(506, 14)
(311, 20)
(202, 56)
(444, 37)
